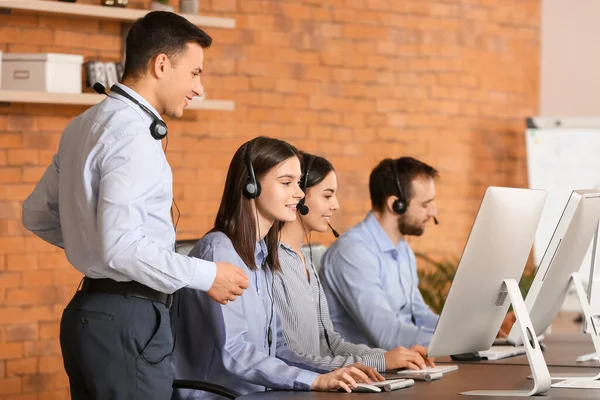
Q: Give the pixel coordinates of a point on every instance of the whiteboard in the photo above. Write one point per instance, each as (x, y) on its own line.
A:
(562, 155)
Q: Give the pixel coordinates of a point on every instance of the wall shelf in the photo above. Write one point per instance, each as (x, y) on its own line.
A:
(115, 13)
(89, 99)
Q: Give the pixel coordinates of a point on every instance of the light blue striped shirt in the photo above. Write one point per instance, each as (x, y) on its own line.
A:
(372, 289)
(106, 200)
(227, 344)
(304, 313)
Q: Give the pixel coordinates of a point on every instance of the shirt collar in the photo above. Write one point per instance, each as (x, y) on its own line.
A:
(260, 253)
(139, 98)
(381, 238)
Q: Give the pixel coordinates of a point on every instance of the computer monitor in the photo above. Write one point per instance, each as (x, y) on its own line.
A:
(594, 280)
(563, 257)
(497, 250)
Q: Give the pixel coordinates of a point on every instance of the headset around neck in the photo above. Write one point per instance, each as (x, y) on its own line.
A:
(158, 128)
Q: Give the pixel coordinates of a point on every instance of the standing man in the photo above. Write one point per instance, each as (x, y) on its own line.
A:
(106, 200)
(370, 275)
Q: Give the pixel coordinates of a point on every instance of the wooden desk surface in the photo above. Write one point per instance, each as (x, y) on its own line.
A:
(561, 351)
(560, 354)
(467, 377)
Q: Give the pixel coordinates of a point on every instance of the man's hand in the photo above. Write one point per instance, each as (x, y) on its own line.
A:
(345, 378)
(401, 357)
(230, 282)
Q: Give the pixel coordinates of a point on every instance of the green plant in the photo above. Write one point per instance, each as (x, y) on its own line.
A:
(435, 278)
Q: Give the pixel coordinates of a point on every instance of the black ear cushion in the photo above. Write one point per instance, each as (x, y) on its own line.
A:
(252, 191)
(302, 208)
(158, 129)
(399, 207)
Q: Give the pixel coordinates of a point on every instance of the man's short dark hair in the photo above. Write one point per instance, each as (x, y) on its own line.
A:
(382, 182)
(156, 33)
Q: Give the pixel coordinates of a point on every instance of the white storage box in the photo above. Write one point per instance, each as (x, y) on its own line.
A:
(42, 72)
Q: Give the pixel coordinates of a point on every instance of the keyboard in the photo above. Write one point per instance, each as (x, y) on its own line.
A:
(428, 373)
(500, 352)
(588, 357)
(387, 385)
(578, 384)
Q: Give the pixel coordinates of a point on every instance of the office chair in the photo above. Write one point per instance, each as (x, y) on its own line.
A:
(184, 247)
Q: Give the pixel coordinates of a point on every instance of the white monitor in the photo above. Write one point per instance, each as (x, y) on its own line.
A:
(497, 248)
(486, 279)
(594, 280)
(563, 257)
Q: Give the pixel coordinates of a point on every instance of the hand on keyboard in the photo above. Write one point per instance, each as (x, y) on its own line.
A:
(401, 357)
(422, 350)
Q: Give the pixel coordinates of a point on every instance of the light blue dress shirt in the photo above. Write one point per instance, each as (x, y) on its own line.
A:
(372, 289)
(106, 200)
(227, 344)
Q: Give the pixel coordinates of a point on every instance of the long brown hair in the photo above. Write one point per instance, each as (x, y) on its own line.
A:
(235, 217)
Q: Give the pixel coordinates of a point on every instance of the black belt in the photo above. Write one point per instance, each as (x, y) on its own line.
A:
(131, 288)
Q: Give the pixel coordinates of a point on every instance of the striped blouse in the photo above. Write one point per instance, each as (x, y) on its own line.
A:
(302, 307)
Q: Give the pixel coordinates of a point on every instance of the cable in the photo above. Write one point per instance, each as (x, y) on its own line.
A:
(312, 266)
(269, 330)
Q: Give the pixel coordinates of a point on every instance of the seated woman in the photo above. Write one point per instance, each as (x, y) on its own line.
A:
(239, 344)
(299, 298)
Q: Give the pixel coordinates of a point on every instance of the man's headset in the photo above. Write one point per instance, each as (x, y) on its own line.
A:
(302, 207)
(158, 128)
(400, 205)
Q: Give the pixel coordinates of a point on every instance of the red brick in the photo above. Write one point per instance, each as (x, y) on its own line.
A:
(49, 330)
(10, 175)
(37, 278)
(23, 315)
(11, 351)
(50, 364)
(53, 261)
(55, 394)
(10, 385)
(20, 123)
(42, 348)
(21, 367)
(32, 396)
(23, 157)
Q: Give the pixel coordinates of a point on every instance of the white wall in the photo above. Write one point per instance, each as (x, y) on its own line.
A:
(570, 58)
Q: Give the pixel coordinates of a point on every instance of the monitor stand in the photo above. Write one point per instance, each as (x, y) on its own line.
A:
(593, 330)
(593, 296)
(539, 369)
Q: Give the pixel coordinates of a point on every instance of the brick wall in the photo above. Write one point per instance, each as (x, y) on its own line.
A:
(354, 80)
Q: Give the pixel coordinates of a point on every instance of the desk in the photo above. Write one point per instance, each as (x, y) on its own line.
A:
(561, 351)
(467, 377)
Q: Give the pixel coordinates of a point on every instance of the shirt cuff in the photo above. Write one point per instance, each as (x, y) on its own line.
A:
(424, 337)
(305, 380)
(375, 360)
(204, 275)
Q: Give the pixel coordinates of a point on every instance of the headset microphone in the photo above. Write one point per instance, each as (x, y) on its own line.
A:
(335, 233)
(435, 220)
